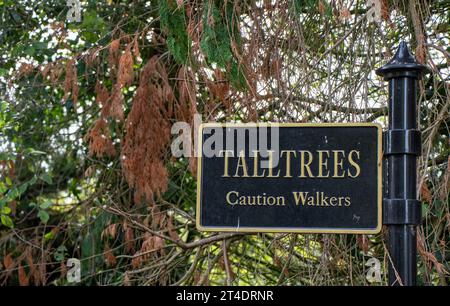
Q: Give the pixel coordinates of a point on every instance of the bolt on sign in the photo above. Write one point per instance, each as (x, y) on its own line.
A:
(306, 178)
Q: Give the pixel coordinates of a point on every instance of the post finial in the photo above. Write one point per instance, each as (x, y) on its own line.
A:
(402, 64)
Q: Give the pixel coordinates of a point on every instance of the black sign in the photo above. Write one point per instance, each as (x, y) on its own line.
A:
(311, 178)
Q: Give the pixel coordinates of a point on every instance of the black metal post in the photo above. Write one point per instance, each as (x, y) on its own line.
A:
(402, 145)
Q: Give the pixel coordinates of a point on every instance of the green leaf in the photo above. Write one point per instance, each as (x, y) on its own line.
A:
(46, 204)
(23, 188)
(44, 216)
(49, 236)
(16, 16)
(47, 178)
(32, 181)
(93, 26)
(35, 152)
(30, 51)
(40, 45)
(13, 193)
(7, 221)
(5, 210)
(3, 202)
(60, 253)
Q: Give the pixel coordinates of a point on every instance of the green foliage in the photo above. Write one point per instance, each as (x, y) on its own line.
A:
(43, 215)
(47, 178)
(93, 27)
(220, 31)
(173, 23)
(60, 253)
(91, 244)
(6, 220)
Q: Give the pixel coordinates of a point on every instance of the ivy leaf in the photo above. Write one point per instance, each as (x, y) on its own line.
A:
(13, 193)
(7, 221)
(60, 253)
(3, 187)
(43, 215)
(4, 199)
(5, 210)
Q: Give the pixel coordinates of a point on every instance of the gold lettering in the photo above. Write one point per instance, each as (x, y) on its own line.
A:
(271, 201)
(323, 163)
(288, 161)
(241, 164)
(333, 201)
(280, 200)
(300, 197)
(256, 165)
(228, 197)
(225, 166)
(329, 163)
(304, 165)
(234, 198)
(347, 201)
(338, 163)
(354, 164)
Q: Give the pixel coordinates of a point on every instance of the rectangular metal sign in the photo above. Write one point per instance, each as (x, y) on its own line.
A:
(306, 178)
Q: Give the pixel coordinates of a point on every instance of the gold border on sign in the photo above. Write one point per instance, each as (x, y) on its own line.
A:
(290, 229)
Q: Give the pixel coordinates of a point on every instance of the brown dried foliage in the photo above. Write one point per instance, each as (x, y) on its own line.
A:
(128, 237)
(125, 73)
(426, 194)
(110, 231)
(110, 259)
(135, 49)
(99, 138)
(25, 69)
(151, 246)
(113, 56)
(23, 277)
(148, 133)
(91, 59)
(53, 71)
(103, 99)
(8, 263)
(71, 81)
(117, 101)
